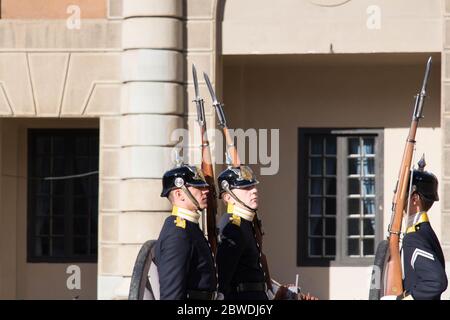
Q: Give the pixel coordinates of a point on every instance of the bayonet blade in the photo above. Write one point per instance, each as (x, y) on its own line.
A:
(427, 76)
(211, 90)
(194, 76)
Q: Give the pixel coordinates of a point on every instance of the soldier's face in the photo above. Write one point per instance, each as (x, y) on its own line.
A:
(201, 195)
(247, 195)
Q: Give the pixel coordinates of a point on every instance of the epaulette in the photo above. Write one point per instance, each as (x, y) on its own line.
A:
(416, 227)
(236, 220)
(180, 222)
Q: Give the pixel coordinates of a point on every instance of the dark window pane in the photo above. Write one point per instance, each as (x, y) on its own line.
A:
(81, 226)
(330, 247)
(330, 164)
(42, 206)
(353, 227)
(42, 226)
(330, 148)
(42, 186)
(93, 146)
(369, 166)
(42, 246)
(353, 206)
(315, 226)
(58, 146)
(94, 223)
(42, 145)
(81, 206)
(353, 186)
(353, 146)
(93, 180)
(94, 245)
(59, 167)
(369, 227)
(81, 187)
(59, 205)
(330, 186)
(80, 245)
(369, 186)
(58, 246)
(354, 166)
(369, 146)
(353, 247)
(315, 206)
(330, 226)
(316, 186)
(368, 247)
(369, 206)
(315, 247)
(93, 163)
(82, 146)
(58, 225)
(316, 145)
(316, 166)
(59, 187)
(330, 206)
(93, 204)
(81, 165)
(55, 203)
(42, 167)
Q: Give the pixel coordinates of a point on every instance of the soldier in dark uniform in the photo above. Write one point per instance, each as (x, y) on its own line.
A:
(183, 256)
(241, 275)
(423, 260)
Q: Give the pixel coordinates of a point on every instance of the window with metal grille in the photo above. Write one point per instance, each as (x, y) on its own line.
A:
(62, 195)
(339, 196)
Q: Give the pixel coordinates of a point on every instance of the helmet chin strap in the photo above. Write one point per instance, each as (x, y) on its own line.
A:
(233, 195)
(192, 198)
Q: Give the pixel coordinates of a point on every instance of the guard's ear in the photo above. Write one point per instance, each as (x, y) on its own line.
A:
(177, 194)
(226, 197)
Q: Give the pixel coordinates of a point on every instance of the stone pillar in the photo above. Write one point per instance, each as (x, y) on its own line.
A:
(160, 40)
(139, 139)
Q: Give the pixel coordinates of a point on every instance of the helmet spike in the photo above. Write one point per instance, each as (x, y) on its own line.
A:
(422, 163)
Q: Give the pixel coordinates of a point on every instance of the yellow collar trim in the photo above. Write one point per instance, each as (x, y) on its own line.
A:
(422, 218)
(185, 214)
(240, 212)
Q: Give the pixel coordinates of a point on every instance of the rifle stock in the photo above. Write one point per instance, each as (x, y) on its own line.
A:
(394, 282)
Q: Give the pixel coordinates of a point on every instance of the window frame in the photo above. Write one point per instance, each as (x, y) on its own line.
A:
(69, 234)
(342, 136)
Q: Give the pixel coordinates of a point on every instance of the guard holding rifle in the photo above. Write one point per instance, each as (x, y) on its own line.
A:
(423, 260)
(241, 276)
(183, 256)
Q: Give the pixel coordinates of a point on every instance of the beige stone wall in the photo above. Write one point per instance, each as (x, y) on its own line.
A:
(51, 9)
(348, 91)
(292, 26)
(54, 69)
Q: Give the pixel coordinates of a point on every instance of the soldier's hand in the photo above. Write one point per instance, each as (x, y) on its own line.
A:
(281, 293)
(302, 296)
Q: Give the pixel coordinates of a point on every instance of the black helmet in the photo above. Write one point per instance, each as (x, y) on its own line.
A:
(237, 178)
(182, 175)
(426, 185)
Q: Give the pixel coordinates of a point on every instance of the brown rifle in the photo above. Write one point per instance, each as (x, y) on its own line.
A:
(232, 151)
(207, 168)
(394, 284)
